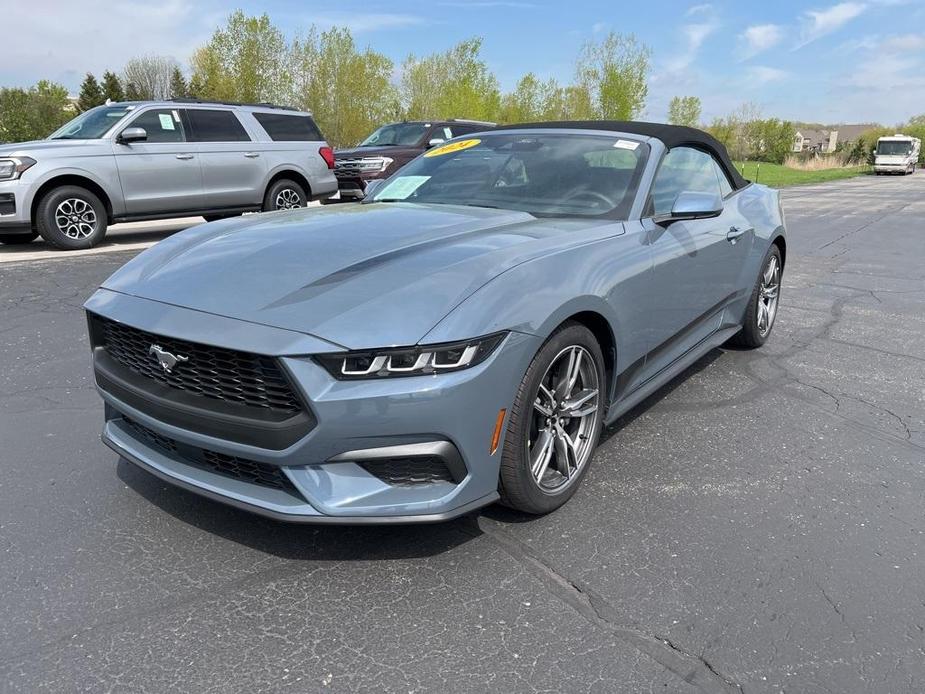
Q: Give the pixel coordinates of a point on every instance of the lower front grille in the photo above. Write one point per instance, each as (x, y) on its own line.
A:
(231, 466)
(405, 472)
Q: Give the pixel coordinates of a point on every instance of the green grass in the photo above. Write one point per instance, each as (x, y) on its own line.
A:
(778, 176)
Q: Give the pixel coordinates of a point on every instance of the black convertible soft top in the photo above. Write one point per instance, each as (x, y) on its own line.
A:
(670, 135)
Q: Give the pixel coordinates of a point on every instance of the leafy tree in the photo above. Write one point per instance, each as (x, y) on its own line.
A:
(150, 76)
(454, 84)
(34, 113)
(112, 87)
(349, 92)
(614, 75)
(178, 87)
(684, 110)
(246, 60)
(90, 93)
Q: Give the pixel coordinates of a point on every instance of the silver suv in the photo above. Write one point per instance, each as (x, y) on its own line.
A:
(154, 160)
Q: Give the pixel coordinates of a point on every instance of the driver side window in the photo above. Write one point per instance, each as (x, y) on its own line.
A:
(683, 169)
(162, 125)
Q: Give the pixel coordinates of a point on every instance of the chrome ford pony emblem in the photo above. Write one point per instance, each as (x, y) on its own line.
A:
(165, 358)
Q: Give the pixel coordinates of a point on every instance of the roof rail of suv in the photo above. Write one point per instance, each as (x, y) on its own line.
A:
(262, 104)
(468, 120)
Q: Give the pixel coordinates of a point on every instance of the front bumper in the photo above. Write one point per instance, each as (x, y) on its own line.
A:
(337, 471)
(14, 209)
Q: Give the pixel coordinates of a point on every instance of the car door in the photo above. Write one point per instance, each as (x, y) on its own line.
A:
(233, 166)
(697, 262)
(161, 174)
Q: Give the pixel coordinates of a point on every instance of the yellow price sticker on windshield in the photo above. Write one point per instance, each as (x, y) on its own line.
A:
(452, 147)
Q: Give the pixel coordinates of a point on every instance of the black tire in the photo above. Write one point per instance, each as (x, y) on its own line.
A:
(18, 239)
(517, 485)
(82, 233)
(284, 189)
(752, 335)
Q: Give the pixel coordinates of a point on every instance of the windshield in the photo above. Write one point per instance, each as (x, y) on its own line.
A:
(92, 124)
(901, 147)
(407, 134)
(562, 174)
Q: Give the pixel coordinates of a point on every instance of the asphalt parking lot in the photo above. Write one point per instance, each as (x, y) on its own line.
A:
(756, 526)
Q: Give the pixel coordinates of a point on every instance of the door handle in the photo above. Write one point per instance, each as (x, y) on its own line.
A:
(252, 155)
(184, 156)
(734, 234)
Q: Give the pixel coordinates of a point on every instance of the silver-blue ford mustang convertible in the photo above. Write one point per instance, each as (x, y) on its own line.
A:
(460, 337)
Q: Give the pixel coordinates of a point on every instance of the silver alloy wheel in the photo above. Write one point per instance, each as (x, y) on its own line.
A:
(563, 425)
(768, 295)
(75, 218)
(288, 199)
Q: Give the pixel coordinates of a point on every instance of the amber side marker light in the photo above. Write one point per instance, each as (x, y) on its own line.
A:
(497, 435)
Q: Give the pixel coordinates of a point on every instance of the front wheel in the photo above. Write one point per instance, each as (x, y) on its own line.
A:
(284, 195)
(71, 218)
(555, 422)
(762, 306)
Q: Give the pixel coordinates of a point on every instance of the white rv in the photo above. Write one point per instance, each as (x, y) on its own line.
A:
(897, 154)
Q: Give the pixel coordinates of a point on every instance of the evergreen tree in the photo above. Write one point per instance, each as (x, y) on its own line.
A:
(132, 93)
(90, 93)
(112, 87)
(178, 86)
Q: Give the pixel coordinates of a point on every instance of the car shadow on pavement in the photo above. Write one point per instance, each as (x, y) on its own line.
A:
(503, 514)
(296, 541)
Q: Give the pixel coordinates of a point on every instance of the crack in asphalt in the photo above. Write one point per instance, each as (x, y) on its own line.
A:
(694, 669)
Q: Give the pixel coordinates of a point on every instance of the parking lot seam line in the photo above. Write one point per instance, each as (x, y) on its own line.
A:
(692, 668)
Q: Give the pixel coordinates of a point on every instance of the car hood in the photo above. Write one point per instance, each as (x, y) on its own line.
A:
(361, 276)
(48, 147)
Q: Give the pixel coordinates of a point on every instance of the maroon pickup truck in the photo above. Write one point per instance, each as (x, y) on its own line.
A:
(391, 147)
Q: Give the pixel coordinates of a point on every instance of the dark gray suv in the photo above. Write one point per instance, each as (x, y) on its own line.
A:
(156, 160)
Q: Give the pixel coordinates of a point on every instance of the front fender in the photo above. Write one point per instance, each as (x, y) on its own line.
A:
(608, 277)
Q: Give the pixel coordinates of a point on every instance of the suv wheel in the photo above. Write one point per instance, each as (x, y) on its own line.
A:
(18, 239)
(71, 218)
(284, 195)
(555, 422)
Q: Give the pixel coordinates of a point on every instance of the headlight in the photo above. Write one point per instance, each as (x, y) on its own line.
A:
(374, 164)
(410, 361)
(12, 167)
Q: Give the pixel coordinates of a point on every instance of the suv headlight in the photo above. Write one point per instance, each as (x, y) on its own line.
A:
(410, 361)
(12, 167)
(374, 164)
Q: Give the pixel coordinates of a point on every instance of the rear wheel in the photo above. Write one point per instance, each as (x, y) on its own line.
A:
(555, 422)
(762, 306)
(284, 195)
(18, 239)
(71, 218)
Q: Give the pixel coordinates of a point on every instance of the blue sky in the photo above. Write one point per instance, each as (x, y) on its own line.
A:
(850, 61)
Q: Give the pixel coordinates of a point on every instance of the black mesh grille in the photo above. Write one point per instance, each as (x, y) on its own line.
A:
(212, 372)
(228, 465)
(409, 471)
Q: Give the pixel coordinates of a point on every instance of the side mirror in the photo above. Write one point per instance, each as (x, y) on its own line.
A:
(435, 141)
(130, 135)
(691, 205)
(372, 187)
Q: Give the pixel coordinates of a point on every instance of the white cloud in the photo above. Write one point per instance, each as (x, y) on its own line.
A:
(695, 34)
(62, 41)
(814, 24)
(759, 38)
(599, 27)
(699, 9)
(363, 22)
(761, 74)
(911, 43)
